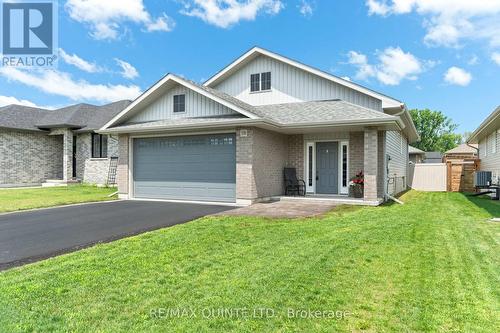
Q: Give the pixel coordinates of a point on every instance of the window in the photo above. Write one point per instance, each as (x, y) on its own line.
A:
(99, 146)
(255, 82)
(265, 81)
(260, 82)
(310, 171)
(179, 103)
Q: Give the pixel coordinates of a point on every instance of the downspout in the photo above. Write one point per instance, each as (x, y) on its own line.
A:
(387, 159)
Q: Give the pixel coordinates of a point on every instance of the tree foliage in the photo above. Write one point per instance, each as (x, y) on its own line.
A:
(437, 131)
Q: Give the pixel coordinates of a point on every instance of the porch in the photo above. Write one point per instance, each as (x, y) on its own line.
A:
(326, 160)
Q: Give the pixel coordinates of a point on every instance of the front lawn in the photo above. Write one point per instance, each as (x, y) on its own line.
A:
(430, 265)
(20, 199)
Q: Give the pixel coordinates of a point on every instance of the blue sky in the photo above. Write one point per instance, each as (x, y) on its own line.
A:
(441, 54)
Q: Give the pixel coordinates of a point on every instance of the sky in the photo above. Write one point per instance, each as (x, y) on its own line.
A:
(439, 54)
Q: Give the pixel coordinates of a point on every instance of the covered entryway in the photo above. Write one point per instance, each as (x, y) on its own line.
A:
(198, 168)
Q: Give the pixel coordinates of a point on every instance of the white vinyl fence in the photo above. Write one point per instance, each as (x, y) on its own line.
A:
(429, 177)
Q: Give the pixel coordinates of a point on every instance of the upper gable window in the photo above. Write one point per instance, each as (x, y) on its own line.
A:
(260, 82)
(265, 81)
(255, 82)
(179, 103)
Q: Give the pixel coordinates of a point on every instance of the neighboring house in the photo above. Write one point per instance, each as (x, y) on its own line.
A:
(463, 151)
(433, 157)
(416, 155)
(60, 145)
(487, 137)
(228, 140)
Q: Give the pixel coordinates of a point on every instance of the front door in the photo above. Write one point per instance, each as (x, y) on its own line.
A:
(327, 165)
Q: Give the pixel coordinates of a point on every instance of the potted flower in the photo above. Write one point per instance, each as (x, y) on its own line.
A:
(356, 185)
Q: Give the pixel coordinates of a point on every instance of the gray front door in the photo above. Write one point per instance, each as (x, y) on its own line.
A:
(201, 168)
(327, 165)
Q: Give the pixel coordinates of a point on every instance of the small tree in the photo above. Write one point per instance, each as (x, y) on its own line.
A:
(437, 131)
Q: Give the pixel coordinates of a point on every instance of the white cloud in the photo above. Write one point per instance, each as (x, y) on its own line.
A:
(105, 17)
(225, 13)
(448, 22)
(474, 60)
(347, 78)
(128, 71)
(496, 58)
(79, 62)
(457, 76)
(306, 8)
(394, 65)
(61, 83)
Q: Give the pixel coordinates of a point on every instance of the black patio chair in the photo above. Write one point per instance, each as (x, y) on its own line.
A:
(293, 185)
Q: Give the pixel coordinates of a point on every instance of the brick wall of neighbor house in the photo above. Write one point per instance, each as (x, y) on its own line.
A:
(89, 170)
(96, 171)
(122, 169)
(83, 152)
(29, 157)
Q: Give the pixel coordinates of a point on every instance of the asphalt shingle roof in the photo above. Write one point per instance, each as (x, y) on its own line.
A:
(311, 112)
(84, 117)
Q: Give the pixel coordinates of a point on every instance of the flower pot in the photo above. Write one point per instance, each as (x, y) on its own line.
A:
(357, 191)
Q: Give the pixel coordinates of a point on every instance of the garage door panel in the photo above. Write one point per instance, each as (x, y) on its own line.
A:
(186, 168)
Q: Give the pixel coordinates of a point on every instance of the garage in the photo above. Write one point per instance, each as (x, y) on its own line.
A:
(199, 168)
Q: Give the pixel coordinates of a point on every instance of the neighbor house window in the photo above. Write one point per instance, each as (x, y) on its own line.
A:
(265, 81)
(255, 82)
(179, 103)
(99, 145)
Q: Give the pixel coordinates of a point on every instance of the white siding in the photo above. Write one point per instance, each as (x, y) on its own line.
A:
(397, 149)
(290, 84)
(489, 155)
(196, 106)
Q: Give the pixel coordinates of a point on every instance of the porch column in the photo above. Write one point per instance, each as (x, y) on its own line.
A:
(67, 154)
(370, 163)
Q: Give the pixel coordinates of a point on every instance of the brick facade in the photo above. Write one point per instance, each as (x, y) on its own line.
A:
(370, 164)
(123, 167)
(261, 156)
(29, 158)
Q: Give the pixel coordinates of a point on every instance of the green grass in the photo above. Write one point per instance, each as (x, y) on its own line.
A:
(21, 199)
(430, 265)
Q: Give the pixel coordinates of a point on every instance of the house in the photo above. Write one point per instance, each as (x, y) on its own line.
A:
(228, 140)
(416, 155)
(487, 138)
(58, 146)
(463, 151)
(433, 157)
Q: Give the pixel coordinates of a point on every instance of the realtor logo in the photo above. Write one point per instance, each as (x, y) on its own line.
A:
(29, 33)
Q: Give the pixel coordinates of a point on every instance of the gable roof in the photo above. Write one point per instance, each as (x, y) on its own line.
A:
(464, 148)
(253, 53)
(490, 124)
(168, 81)
(81, 117)
(415, 150)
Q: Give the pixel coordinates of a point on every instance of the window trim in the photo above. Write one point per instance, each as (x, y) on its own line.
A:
(93, 153)
(183, 104)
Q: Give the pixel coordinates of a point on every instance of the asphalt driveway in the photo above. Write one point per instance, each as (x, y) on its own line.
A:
(34, 235)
